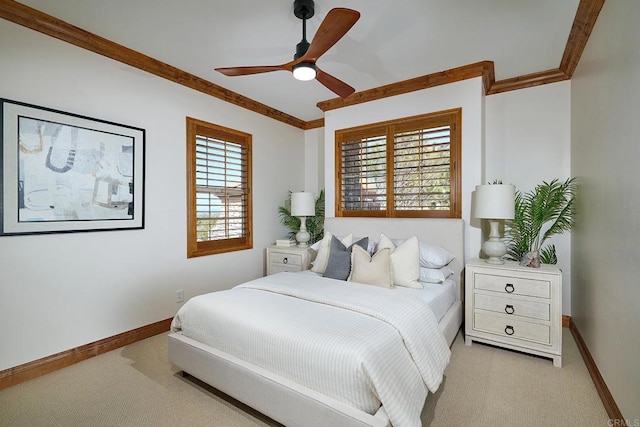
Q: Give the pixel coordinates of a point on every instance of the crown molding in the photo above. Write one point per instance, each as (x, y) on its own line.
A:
(586, 16)
(54, 27)
(478, 69)
(529, 80)
(584, 21)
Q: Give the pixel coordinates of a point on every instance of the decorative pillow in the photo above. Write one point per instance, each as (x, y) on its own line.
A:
(405, 261)
(339, 264)
(371, 270)
(435, 275)
(320, 263)
(371, 247)
(431, 256)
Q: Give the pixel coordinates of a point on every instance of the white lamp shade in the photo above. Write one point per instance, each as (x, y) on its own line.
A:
(303, 204)
(495, 201)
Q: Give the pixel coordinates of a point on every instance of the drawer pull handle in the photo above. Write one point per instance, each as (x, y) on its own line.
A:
(509, 288)
(509, 309)
(285, 260)
(509, 330)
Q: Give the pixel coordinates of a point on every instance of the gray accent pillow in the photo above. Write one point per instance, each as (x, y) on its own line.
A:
(339, 264)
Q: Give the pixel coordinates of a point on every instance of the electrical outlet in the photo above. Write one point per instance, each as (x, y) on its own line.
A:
(180, 295)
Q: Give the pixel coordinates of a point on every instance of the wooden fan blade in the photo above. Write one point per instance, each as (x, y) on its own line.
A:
(333, 84)
(334, 26)
(245, 71)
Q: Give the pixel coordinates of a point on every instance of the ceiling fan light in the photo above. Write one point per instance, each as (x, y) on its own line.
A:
(304, 71)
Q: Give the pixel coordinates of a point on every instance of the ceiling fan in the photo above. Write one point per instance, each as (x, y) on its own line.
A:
(334, 26)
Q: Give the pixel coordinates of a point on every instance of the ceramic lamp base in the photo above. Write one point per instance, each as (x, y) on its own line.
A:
(494, 248)
(303, 236)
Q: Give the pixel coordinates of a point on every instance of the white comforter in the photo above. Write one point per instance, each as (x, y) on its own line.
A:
(360, 344)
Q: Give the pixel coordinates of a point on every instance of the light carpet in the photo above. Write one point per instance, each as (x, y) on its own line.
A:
(137, 386)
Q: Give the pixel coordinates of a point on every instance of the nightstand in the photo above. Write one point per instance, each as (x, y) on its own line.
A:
(514, 307)
(294, 258)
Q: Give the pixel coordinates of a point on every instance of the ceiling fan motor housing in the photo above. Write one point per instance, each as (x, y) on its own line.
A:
(303, 9)
(301, 48)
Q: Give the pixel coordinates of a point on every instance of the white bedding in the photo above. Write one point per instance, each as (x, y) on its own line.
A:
(439, 296)
(369, 345)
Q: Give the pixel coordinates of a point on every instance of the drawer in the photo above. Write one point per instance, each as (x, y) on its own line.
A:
(279, 268)
(512, 285)
(513, 306)
(513, 328)
(285, 258)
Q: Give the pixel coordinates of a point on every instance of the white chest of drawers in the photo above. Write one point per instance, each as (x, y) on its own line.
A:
(514, 307)
(280, 258)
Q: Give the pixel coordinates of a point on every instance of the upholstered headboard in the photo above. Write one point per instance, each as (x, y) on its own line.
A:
(445, 232)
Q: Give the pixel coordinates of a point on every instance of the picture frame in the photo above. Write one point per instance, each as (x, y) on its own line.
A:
(62, 172)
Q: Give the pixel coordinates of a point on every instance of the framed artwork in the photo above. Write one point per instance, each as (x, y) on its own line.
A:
(62, 172)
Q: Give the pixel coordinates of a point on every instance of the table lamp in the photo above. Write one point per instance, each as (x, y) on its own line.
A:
(494, 202)
(303, 204)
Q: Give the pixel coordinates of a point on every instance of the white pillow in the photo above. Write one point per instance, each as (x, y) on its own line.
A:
(319, 265)
(371, 270)
(405, 261)
(435, 275)
(434, 256)
(316, 245)
(431, 256)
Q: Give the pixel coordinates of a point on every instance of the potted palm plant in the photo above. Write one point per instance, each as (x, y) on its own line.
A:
(546, 211)
(315, 224)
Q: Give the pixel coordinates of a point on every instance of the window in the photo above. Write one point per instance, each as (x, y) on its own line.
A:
(402, 168)
(219, 204)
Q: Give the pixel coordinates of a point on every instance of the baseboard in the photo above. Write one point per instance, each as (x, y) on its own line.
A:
(27, 371)
(603, 391)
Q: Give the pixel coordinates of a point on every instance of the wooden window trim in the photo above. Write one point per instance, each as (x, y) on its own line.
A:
(194, 248)
(392, 127)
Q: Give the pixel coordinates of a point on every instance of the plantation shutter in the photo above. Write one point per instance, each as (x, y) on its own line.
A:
(221, 185)
(363, 173)
(404, 168)
(219, 201)
(421, 167)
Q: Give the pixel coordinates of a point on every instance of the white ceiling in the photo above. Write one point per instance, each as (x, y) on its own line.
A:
(392, 41)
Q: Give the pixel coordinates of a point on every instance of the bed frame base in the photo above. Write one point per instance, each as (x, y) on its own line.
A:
(283, 400)
(280, 399)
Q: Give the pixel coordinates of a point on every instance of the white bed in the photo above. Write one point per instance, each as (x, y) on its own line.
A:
(280, 395)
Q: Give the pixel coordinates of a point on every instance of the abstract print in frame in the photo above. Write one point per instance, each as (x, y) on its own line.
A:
(63, 172)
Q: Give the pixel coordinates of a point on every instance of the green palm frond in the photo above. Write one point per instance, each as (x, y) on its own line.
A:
(548, 255)
(290, 222)
(315, 224)
(550, 203)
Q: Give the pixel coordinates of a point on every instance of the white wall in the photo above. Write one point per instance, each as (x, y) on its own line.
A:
(61, 291)
(314, 160)
(467, 94)
(528, 140)
(605, 101)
